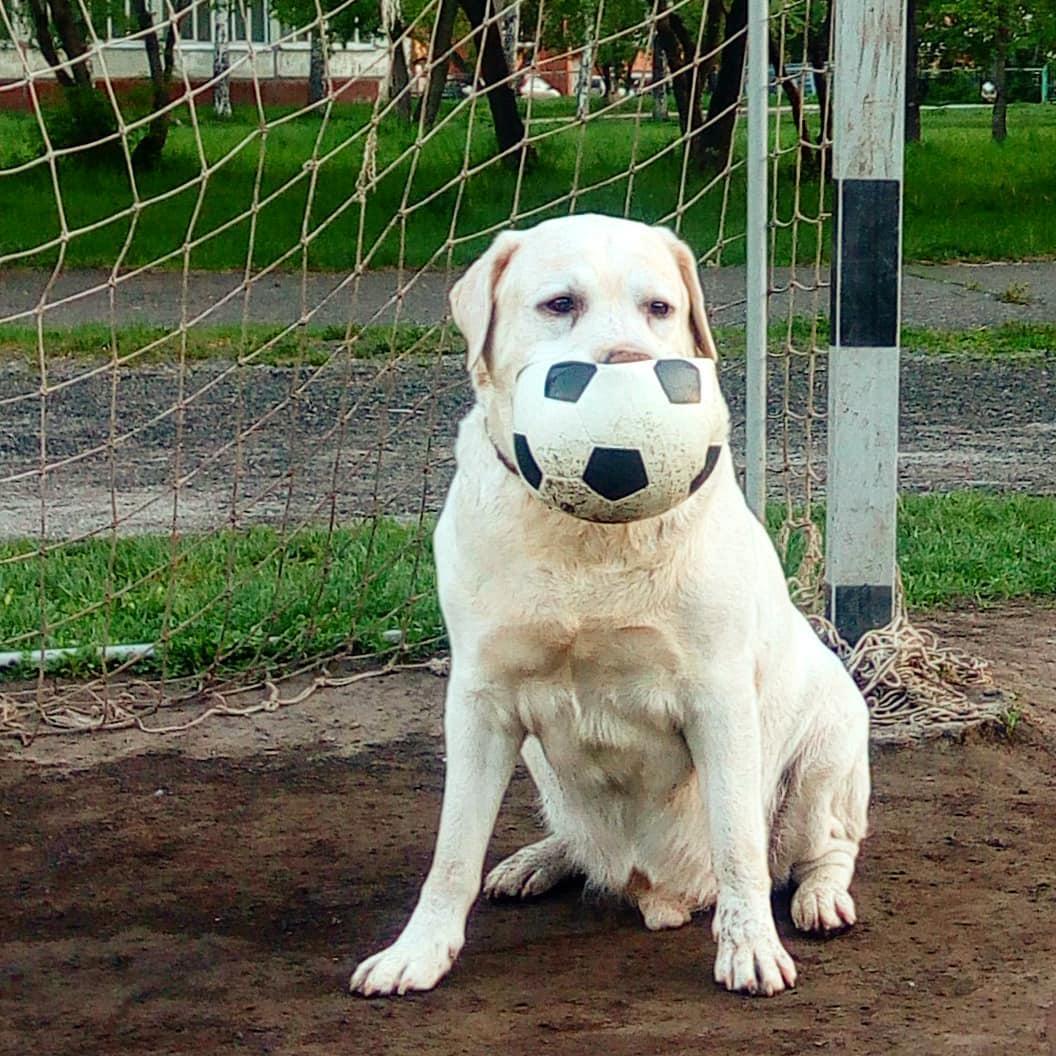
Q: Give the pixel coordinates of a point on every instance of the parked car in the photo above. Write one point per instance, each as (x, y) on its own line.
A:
(537, 88)
(456, 88)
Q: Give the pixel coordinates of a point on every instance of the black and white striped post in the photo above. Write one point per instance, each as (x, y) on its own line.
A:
(867, 133)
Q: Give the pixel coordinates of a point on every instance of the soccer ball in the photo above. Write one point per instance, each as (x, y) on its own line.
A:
(617, 442)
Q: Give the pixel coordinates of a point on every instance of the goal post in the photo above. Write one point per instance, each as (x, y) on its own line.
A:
(757, 90)
(863, 372)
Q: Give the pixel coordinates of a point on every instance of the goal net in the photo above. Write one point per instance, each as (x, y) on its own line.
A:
(231, 383)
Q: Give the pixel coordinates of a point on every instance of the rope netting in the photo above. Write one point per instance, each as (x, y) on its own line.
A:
(231, 382)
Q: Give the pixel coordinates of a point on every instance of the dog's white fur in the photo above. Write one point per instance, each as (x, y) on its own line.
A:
(692, 740)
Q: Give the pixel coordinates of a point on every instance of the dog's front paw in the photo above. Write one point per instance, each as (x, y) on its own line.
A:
(408, 964)
(750, 957)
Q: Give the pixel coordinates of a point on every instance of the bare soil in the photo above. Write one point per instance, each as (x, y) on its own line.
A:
(210, 893)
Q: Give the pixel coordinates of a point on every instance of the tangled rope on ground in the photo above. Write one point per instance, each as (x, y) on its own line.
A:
(915, 685)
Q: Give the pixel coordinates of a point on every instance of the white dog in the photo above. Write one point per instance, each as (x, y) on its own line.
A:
(692, 740)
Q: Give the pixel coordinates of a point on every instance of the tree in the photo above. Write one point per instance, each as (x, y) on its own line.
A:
(677, 43)
(912, 120)
(327, 22)
(59, 26)
(990, 35)
(399, 82)
(509, 128)
(63, 34)
(716, 141)
(147, 153)
(439, 49)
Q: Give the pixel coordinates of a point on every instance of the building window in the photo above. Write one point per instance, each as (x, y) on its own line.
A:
(202, 26)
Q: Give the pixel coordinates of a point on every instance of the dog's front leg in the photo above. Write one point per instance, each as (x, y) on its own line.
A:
(481, 752)
(724, 741)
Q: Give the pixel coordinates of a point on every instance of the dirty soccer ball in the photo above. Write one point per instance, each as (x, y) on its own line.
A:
(616, 442)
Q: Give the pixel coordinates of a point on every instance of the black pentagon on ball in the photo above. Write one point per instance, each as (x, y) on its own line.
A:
(526, 462)
(709, 464)
(615, 472)
(679, 379)
(566, 381)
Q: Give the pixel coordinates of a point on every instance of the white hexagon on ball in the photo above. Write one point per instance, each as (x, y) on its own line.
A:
(617, 442)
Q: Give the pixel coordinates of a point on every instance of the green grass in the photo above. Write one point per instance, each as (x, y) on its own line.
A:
(277, 345)
(231, 599)
(966, 197)
(1007, 341)
(261, 344)
(235, 600)
(976, 546)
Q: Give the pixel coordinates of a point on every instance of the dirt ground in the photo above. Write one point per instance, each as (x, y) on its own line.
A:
(210, 892)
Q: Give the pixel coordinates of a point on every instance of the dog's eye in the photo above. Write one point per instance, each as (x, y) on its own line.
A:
(561, 305)
(659, 309)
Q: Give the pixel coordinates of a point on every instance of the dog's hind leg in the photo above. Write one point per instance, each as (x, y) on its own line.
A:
(531, 871)
(824, 818)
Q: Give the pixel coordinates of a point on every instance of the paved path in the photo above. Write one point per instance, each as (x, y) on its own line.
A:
(945, 296)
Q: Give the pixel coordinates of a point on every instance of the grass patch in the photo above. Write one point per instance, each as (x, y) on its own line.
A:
(313, 346)
(976, 546)
(254, 598)
(143, 346)
(227, 600)
(1007, 341)
(966, 197)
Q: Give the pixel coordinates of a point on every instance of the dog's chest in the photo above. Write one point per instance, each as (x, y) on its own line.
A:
(601, 700)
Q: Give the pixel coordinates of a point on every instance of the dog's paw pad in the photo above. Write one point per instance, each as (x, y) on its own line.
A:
(822, 908)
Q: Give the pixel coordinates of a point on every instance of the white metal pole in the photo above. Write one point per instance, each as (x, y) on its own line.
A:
(862, 486)
(36, 657)
(757, 89)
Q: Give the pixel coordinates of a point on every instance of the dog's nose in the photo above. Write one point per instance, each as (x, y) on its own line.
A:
(625, 355)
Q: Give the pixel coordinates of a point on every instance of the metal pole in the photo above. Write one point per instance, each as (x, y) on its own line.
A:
(757, 89)
(862, 486)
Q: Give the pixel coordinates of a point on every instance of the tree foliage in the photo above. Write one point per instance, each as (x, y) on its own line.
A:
(990, 35)
(969, 32)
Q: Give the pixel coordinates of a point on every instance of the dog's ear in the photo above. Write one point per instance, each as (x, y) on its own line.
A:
(698, 316)
(473, 302)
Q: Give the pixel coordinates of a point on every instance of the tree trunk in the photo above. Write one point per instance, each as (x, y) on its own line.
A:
(148, 150)
(438, 63)
(511, 30)
(317, 79)
(659, 89)
(399, 75)
(818, 45)
(583, 79)
(912, 74)
(71, 36)
(716, 139)
(89, 119)
(999, 122)
(509, 129)
(221, 63)
(795, 104)
(42, 33)
(687, 75)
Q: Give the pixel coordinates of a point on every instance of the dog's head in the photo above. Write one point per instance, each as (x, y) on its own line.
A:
(587, 287)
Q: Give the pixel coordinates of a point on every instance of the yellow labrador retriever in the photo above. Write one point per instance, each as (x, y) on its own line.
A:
(692, 740)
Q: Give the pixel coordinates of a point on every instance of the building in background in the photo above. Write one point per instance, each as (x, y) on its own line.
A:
(264, 57)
